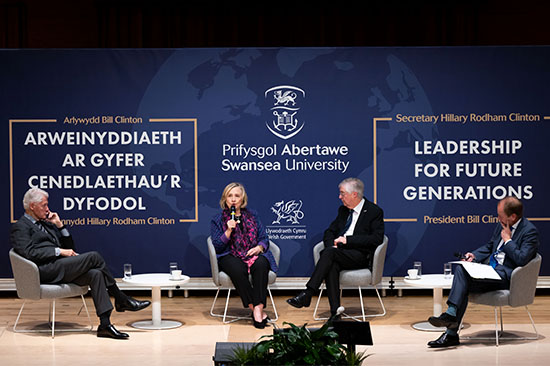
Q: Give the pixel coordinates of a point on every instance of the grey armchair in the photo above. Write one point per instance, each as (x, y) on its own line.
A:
(222, 281)
(27, 283)
(359, 278)
(523, 285)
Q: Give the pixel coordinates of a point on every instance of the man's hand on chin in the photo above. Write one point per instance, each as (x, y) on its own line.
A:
(53, 217)
(506, 232)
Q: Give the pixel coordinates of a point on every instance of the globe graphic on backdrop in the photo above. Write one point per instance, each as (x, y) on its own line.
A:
(225, 87)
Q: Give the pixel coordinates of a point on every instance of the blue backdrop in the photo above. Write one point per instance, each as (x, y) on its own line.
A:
(136, 146)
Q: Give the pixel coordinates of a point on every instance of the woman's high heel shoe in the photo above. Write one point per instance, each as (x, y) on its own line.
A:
(258, 325)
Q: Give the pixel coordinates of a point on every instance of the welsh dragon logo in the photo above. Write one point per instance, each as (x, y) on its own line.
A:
(289, 211)
(285, 98)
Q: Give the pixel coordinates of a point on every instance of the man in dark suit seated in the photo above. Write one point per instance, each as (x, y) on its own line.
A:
(350, 242)
(40, 236)
(513, 244)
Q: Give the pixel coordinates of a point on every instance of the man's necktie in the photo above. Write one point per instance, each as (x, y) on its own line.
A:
(43, 229)
(348, 222)
(493, 260)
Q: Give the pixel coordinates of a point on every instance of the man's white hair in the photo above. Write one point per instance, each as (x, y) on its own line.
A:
(353, 185)
(33, 195)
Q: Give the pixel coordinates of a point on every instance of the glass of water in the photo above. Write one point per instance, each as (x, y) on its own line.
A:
(418, 266)
(127, 271)
(447, 270)
(173, 267)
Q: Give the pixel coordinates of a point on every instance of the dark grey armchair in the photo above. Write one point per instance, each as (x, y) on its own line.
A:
(27, 282)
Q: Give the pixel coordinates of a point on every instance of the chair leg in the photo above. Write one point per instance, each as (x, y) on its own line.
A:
(17, 320)
(53, 318)
(499, 333)
(358, 318)
(362, 304)
(501, 322)
(224, 315)
(273, 304)
(354, 317)
(381, 302)
(532, 323)
(51, 321)
(317, 306)
(496, 324)
(87, 312)
(214, 303)
(460, 327)
(226, 305)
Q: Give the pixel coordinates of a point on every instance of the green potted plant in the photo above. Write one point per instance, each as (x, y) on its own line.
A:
(299, 346)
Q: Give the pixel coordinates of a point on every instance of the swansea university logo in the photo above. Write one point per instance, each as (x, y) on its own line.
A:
(289, 211)
(286, 100)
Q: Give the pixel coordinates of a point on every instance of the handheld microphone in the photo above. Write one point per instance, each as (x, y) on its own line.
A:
(233, 212)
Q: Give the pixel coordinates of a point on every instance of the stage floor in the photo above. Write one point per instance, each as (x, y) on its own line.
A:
(395, 342)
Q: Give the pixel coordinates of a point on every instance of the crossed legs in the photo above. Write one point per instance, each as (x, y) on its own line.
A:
(331, 262)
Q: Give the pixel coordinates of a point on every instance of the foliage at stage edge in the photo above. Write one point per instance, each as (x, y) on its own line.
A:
(299, 346)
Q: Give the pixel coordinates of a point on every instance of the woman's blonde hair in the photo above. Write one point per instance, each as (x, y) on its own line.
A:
(226, 190)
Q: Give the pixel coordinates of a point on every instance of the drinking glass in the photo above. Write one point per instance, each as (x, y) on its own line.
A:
(127, 270)
(173, 267)
(418, 265)
(447, 270)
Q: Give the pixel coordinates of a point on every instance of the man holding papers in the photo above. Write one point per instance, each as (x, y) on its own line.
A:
(514, 243)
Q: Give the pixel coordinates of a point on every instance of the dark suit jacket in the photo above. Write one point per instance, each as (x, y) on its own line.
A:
(519, 251)
(368, 232)
(32, 243)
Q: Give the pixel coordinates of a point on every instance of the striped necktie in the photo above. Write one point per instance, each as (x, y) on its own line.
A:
(45, 230)
(41, 227)
(348, 222)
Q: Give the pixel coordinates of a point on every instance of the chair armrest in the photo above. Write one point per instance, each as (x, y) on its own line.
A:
(275, 250)
(523, 282)
(213, 262)
(26, 275)
(317, 249)
(378, 261)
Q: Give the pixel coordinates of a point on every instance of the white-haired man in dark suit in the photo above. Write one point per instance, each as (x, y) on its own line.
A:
(40, 236)
(350, 242)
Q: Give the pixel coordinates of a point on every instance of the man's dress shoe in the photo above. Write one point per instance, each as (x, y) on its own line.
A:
(444, 320)
(446, 340)
(111, 332)
(132, 304)
(300, 300)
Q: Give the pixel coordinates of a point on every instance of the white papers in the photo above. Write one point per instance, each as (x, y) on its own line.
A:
(479, 271)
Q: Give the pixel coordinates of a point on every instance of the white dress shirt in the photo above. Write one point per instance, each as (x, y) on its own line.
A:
(500, 255)
(356, 212)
